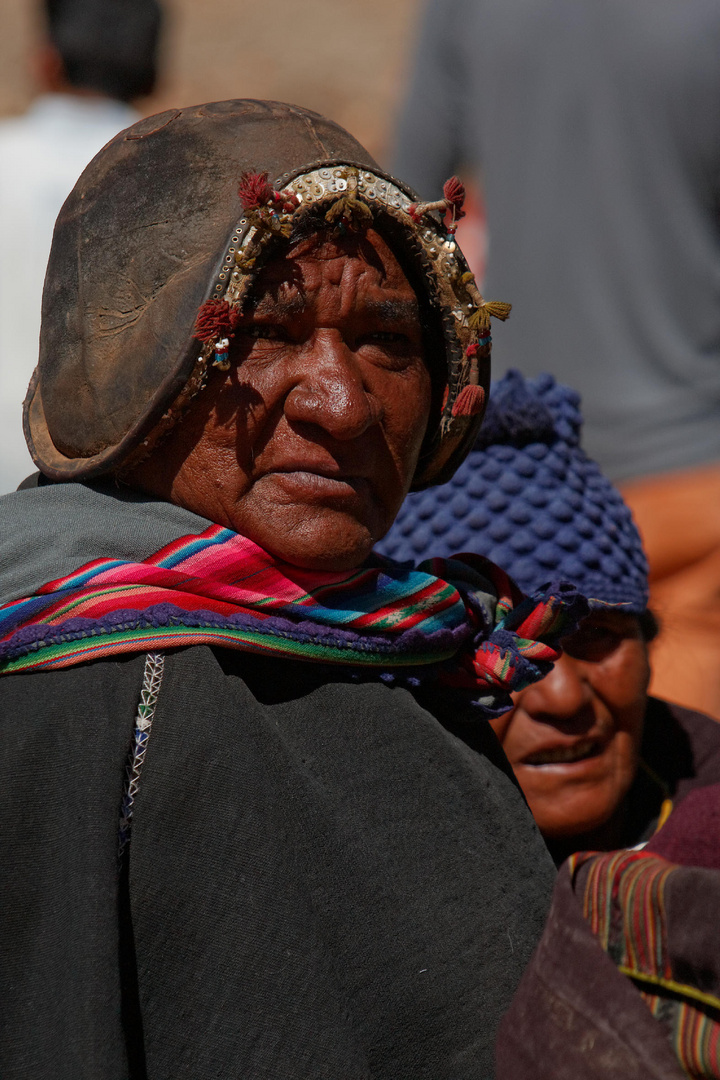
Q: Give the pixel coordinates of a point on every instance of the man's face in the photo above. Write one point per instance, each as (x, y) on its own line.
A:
(573, 738)
(309, 443)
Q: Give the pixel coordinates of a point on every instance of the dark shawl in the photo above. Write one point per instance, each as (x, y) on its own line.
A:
(322, 879)
(575, 1016)
(682, 750)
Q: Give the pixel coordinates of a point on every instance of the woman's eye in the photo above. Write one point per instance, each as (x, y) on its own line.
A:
(261, 332)
(383, 337)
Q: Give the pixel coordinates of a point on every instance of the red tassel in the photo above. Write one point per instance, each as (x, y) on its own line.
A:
(471, 351)
(413, 213)
(470, 401)
(216, 319)
(454, 193)
(287, 201)
(255, 190)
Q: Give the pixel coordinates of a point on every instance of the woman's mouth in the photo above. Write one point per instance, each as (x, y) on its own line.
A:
(564, 755)
(311, 482)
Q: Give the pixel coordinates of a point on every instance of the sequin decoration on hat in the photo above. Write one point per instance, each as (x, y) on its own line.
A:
(529, 498)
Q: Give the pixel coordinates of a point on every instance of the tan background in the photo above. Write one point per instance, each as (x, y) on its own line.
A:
(345, 59)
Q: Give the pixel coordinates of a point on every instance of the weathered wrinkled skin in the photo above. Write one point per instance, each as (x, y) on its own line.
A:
(138, 248)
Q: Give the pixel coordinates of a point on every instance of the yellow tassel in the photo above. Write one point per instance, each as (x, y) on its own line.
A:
(479, 320)
(350, 207)
(497, 309)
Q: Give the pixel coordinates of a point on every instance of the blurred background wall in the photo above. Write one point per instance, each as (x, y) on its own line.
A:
(347, 60)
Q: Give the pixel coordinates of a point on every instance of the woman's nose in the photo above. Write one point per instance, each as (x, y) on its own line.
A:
(329, 390)
(563, 698)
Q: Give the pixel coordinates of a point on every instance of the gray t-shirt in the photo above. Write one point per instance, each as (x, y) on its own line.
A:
(595, 130)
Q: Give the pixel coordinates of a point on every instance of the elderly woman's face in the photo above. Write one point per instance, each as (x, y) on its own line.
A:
(573, 738)
(309, 443)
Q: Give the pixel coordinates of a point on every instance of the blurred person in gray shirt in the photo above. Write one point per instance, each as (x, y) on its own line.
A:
(97, 58)
(592, 129)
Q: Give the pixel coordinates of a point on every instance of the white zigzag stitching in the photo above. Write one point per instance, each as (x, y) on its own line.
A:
(154, 666)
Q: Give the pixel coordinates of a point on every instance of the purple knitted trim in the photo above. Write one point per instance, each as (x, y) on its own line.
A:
(31, 638)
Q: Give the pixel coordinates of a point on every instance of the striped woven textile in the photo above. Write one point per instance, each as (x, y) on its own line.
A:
(624, 903)
(220, 588)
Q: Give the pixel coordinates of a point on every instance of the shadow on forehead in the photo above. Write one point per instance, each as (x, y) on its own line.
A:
(281, 281)
(312, 235)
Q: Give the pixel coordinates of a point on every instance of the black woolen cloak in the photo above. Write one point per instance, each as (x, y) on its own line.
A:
(325, 879)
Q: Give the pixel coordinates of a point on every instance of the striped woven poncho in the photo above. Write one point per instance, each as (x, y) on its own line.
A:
(463, 619)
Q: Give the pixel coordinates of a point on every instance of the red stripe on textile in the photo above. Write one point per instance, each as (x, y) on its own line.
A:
(694, 1031)
(239, 560)
(155, 586)
(539, 621)
(636, 894)
(95, 607)
(713, 1047)
(691, 1030)
(221, 577)
(243, 565)
(157, 577)
(633, 885)
(360, 581)
(492, 668)
(146, 585)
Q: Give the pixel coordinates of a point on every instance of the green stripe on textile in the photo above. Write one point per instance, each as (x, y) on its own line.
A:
(50, 656)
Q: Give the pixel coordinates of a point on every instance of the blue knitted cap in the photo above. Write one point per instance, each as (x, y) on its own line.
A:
(530, 499)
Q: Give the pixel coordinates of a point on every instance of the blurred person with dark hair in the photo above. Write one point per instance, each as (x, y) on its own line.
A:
(107, 47)
(98, 57)
(592, 131)
(599, 760)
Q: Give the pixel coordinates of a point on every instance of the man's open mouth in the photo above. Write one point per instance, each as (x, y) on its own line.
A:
(562, 755)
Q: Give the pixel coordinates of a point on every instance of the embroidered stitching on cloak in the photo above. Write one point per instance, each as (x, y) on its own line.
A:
(154, 666)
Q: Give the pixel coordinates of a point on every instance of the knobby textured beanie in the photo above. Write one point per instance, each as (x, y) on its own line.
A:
(530, 499)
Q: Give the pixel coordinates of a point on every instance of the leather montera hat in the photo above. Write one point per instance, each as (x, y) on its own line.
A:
(157, 245)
